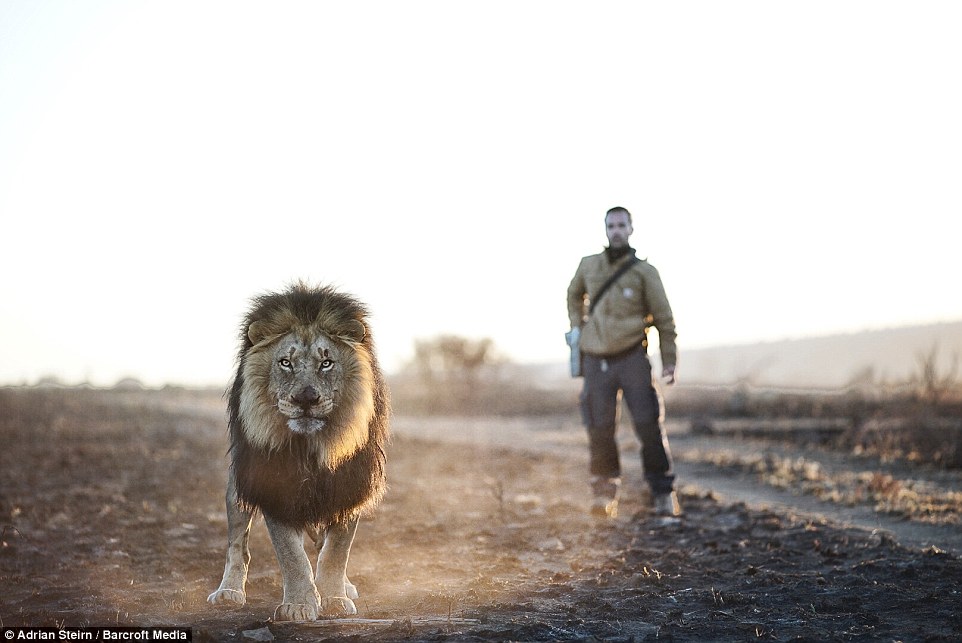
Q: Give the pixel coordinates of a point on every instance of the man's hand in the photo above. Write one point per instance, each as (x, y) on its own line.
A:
(668, 373)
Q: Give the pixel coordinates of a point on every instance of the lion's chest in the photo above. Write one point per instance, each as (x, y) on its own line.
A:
(293, 487)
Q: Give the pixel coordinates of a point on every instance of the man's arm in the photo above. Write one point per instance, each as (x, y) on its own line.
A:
(664, 321)
(576, 297)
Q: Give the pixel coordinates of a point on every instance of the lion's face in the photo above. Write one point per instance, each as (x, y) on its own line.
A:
(306, 379)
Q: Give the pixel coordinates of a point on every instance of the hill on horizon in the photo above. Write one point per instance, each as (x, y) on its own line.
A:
(883, 356)
(890, 355)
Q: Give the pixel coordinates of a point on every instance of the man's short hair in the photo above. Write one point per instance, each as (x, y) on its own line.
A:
(618, 210)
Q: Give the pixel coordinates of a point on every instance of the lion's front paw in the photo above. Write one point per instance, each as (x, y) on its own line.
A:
(227, 597)
(295, 612)
(337, 607)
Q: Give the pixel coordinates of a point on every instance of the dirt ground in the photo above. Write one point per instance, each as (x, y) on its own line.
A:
(111, 510)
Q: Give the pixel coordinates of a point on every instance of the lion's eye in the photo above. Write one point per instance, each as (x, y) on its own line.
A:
(286, 364)
(327, 365)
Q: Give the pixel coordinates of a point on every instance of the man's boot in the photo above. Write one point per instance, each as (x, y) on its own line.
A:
(666, 504)
(604, 493)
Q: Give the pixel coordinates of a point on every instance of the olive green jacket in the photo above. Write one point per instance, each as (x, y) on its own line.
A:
(625, 311)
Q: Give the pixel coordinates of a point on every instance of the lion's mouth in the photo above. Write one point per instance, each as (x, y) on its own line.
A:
(305, 424)
(305, 420)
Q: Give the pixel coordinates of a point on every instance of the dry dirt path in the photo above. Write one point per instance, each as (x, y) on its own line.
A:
(565, 439)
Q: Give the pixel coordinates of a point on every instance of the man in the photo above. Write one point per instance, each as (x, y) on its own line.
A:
(612, 324)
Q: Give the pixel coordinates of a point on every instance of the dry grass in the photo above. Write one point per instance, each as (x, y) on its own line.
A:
(913, 499)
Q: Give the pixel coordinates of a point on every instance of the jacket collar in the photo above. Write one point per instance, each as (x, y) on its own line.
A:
(615, 255)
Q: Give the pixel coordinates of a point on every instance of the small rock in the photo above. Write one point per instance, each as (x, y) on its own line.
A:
(528, 500)
(262, 634)
(552, 544)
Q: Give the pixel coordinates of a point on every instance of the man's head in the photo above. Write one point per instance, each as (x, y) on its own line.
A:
(618, 227)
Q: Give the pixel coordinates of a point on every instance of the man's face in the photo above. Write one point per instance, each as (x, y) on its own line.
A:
(619, 229)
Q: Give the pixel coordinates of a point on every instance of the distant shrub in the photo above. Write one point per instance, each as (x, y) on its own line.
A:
(502, 397)
(934, 441)
(918, 421)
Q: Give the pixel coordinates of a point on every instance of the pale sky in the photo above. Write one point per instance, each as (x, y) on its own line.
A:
(793, 168)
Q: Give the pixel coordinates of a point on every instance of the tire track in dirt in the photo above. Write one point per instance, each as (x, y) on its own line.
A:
(565, 439)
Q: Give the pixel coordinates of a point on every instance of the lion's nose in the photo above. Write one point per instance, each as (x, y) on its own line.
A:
(307, 396)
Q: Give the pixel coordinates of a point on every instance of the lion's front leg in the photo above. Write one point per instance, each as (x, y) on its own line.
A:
(232, 586)
(335, 590)
(301, 602)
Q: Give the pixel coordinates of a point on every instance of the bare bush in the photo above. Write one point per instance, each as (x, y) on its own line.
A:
(450, 358)
(932, 384)
(453, 375)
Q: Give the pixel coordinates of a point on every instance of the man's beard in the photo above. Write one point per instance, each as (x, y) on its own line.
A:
(614, 254)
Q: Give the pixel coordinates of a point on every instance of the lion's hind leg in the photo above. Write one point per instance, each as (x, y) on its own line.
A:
(316, 536)
(336, 591)
(350, 588)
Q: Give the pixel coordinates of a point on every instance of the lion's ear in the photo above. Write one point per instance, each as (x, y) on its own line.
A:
(257, 331)
(355, 331)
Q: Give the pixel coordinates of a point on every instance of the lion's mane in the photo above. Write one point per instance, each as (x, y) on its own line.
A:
(316, 479)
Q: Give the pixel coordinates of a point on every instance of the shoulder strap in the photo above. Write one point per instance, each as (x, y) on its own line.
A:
(611, 280)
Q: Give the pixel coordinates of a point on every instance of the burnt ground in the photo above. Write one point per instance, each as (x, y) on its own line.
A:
(111, 510)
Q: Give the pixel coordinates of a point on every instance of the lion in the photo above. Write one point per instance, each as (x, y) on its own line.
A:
(308, 424)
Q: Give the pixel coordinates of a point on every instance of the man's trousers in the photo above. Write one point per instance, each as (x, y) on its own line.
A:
(630, 373)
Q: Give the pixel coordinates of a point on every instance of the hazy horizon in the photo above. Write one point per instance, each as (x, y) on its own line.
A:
(787, 362)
